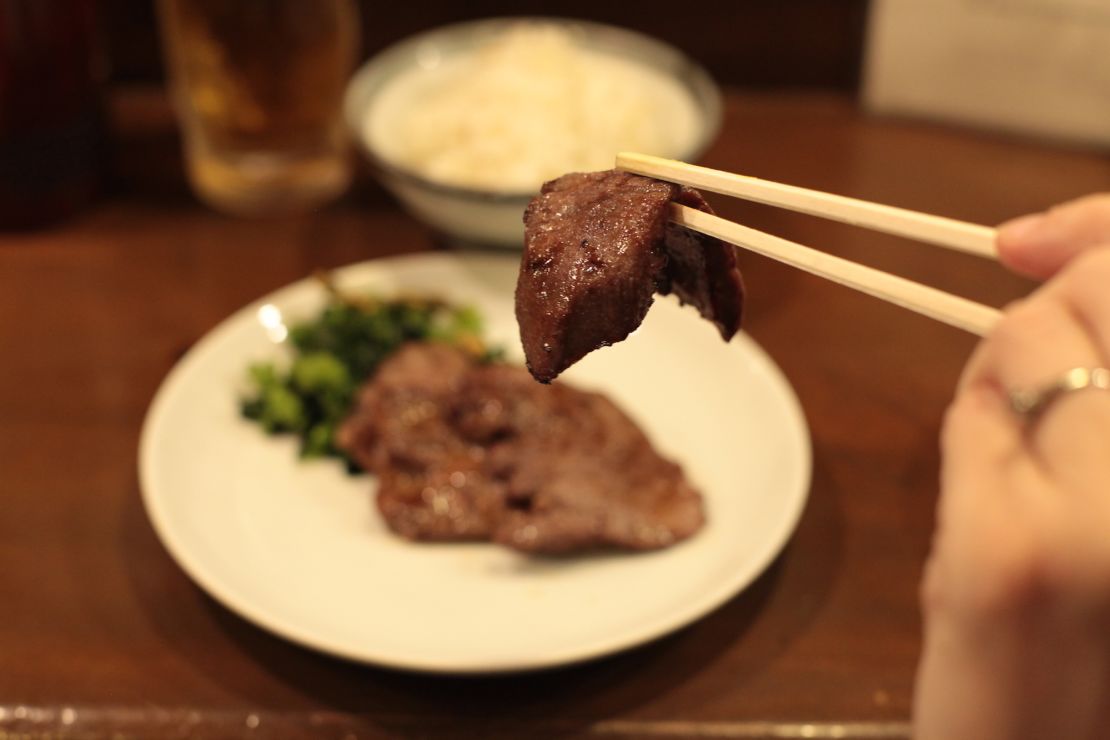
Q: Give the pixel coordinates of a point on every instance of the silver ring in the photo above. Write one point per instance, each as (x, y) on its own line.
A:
(1029, 404)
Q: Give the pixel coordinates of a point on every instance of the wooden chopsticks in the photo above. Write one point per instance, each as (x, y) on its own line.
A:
(936, 304)
(923, 227)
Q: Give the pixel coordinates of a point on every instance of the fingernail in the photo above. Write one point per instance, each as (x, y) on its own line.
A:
(1023, 230)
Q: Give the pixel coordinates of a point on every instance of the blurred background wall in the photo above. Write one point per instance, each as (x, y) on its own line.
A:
(749, 43)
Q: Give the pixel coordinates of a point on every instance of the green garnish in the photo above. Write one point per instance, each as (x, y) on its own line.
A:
(337, 351)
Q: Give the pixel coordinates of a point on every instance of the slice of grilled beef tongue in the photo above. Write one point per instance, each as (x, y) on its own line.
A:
(578, 473)
(597, 247)
(465, 451)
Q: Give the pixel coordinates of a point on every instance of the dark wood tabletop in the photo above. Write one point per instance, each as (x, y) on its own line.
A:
(101, 634)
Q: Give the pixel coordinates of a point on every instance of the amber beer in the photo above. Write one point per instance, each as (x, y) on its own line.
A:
(258, 87)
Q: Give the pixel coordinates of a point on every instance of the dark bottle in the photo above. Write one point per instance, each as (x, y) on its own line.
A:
(51, 123)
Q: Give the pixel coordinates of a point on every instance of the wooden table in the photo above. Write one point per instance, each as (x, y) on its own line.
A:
(101, 633)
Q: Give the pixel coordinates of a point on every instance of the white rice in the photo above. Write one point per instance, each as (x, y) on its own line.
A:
(528, 107)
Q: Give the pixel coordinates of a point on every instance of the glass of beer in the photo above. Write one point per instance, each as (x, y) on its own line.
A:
(258, 87)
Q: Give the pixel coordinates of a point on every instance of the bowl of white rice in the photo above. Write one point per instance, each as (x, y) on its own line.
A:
(464, 123)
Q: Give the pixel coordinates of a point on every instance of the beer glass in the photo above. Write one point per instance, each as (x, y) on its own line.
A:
(258, 88)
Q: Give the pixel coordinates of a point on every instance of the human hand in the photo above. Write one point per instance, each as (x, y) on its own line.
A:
(1039, 244)
(1016, 594)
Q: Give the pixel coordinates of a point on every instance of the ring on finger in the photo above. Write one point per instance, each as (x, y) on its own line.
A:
(1030, 404)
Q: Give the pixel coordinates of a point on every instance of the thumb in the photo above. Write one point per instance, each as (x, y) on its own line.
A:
(1040, 244)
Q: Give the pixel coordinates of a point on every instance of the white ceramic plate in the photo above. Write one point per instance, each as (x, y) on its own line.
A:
(298, 547)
